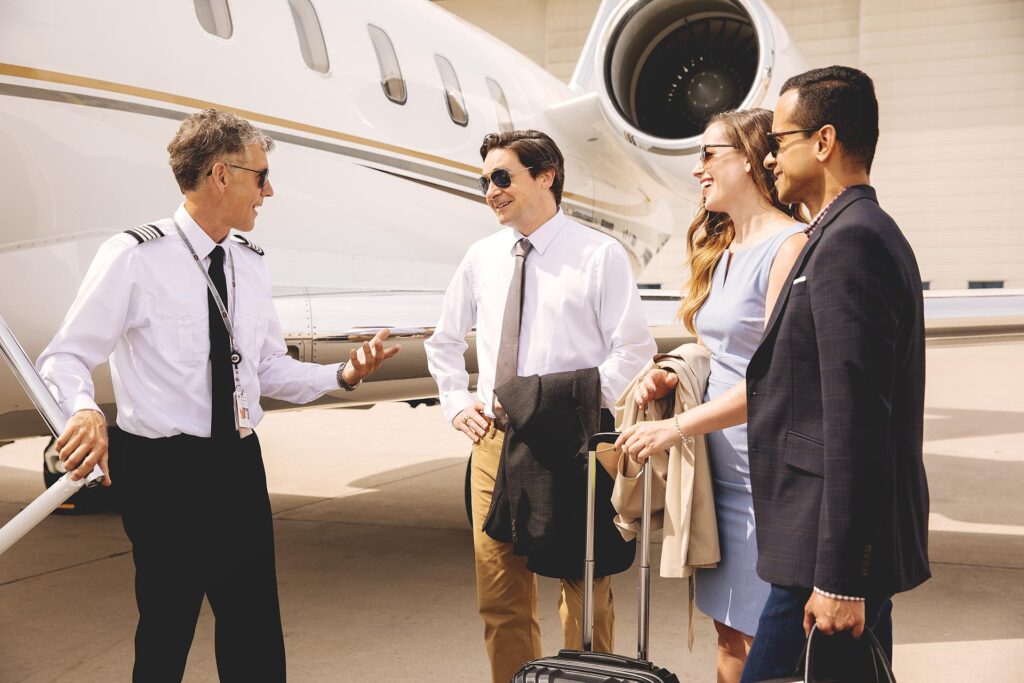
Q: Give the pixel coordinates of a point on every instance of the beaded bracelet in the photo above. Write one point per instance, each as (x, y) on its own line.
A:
(851, 598)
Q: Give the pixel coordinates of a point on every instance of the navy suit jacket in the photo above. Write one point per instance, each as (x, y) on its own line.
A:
(835, 411)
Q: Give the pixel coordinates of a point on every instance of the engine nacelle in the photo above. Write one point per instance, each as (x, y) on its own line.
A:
(664, 67)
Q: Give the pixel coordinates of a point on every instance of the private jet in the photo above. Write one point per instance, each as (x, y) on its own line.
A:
(378, 109)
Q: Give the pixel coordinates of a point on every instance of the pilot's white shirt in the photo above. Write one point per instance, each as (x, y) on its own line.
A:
(581, 309)
(144, 306)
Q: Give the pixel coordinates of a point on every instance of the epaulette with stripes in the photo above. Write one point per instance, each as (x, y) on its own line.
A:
(246, 243)
(145, 233)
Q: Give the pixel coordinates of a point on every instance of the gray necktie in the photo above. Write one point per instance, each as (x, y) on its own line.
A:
(508, 351)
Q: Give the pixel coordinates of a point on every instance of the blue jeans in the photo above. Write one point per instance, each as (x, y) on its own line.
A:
(780, 638)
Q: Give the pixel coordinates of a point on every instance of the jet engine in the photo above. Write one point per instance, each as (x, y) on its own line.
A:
(664, 67)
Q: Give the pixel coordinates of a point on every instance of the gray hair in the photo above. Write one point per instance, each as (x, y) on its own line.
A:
(205, 137)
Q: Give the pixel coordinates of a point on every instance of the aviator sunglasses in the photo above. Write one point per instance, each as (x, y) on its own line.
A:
(501, 177)
(261, 178)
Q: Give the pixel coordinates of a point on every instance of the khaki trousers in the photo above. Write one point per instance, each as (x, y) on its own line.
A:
(507, 591)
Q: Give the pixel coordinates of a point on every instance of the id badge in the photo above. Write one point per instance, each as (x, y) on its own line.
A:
(242, 421)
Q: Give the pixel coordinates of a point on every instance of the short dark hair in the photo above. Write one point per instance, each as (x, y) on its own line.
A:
(535, 150)
(844, 97)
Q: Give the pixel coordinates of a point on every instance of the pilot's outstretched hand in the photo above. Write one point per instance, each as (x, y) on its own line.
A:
(84, 444)
(364, 361)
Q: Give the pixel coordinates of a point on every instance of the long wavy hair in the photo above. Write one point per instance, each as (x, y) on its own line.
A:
(711, 232)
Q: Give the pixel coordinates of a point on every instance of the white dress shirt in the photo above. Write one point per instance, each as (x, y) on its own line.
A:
(581, 309)
(144, 306)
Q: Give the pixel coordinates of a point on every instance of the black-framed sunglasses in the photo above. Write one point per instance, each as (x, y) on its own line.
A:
(704, 156)
(502, 177)
(262, 176)
(773, 138)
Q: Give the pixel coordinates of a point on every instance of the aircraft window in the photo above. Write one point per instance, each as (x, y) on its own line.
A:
(390, 73)
(500, 106)
(452, 91)
(214, 16)
(311, 38)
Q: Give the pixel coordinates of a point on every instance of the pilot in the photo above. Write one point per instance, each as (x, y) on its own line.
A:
(182, 308)
(546, 295)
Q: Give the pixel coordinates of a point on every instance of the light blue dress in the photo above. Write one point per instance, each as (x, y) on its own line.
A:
(730, 324)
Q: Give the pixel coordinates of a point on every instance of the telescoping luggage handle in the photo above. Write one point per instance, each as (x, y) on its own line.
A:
(644, 616)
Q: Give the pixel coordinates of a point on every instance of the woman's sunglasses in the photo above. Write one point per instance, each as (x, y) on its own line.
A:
(501, 177)
(705, 155)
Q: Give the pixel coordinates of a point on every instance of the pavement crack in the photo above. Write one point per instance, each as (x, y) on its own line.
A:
(977, 565)
(299, 507)
(369, 524)
(61, 569)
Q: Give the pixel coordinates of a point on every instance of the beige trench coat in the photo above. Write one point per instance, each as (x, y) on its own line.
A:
(682, 502)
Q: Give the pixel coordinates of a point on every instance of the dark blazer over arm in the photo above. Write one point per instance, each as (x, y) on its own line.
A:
(540, 494)
(835, 408)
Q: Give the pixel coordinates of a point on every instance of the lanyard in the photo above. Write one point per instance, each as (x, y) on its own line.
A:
(236, 357)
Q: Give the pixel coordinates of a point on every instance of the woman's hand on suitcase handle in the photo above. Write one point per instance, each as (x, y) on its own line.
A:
(84, 444)
(656, 384)
(473, 422)
(644, 439)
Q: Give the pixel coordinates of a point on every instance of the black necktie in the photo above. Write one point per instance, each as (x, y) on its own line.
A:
(223, 417)
(508, 348)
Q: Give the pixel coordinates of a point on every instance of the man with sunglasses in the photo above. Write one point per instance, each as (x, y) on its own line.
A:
(835, 391)
(546, 295)
(183, 311)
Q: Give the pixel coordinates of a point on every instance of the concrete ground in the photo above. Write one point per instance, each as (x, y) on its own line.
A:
(375, 556)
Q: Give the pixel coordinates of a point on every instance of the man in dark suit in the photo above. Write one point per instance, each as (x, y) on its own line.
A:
(835, 392)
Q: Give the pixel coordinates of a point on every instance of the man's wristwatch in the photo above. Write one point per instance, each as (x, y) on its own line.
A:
(341, 379)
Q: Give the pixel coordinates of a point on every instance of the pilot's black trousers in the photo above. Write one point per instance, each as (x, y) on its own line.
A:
(198, 516)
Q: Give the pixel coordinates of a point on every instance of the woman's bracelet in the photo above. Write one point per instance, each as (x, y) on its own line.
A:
(682, 437)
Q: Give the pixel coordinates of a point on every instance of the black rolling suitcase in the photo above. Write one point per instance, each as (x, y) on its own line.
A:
(585, 666)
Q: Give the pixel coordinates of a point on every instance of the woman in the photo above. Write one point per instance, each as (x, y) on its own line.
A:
(741, 246)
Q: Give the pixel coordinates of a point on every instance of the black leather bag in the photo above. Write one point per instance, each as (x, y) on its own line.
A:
(864, 661)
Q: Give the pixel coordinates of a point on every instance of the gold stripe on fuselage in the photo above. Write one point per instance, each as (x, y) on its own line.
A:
(193, 103)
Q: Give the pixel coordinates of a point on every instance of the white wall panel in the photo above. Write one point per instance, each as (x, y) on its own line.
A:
(568, 22)
(950, 83)
(520, 23)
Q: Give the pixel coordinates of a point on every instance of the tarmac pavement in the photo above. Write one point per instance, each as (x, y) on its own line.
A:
(375, 565)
